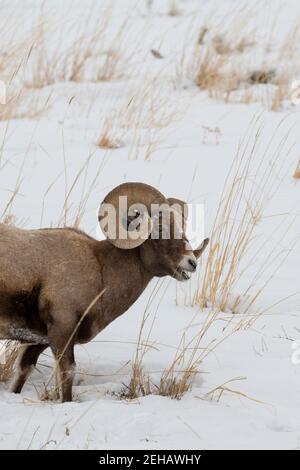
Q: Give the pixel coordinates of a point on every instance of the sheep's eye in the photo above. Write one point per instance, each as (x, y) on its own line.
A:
(127, 223)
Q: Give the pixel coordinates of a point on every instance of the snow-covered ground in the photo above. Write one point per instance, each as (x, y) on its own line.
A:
(174, 136)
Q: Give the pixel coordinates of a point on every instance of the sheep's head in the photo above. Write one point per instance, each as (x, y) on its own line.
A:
(138, 215)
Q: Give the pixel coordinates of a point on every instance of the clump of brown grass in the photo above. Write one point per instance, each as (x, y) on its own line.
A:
(107, 138)
(9, 353)
(208, 69)
(175, 384)
(214, 76)
(105, 142)
(139, 385)
(49, 393)
(209, 74)
(297, 171)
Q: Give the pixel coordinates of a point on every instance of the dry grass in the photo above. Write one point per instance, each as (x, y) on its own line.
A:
(178, 378)
(153, 106)
(92, 47)
(212, 76)
(217, 393)
(193, 347)
(175, 384)
(105, 142)
(209, 47)
(251, 183)
(91, 50)
(108, 137)
(208, 69)
(9, 352)
(297, 171)
(102, 47)
(15, 43)
(23, 104)
(6, 212)
(16, 46)
(81, 187)
(288, 49)
(209, 74)
(143, 119)
(49, 393)
(216, 59)
(140, 383)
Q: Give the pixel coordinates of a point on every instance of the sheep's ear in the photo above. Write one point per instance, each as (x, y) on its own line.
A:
(181, 207)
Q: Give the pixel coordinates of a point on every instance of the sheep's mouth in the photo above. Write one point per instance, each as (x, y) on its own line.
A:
(182, 275)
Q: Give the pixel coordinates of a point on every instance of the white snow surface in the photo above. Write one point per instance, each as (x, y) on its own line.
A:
(262, 363)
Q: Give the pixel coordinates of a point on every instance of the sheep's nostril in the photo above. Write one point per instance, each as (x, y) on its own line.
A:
(193, 263)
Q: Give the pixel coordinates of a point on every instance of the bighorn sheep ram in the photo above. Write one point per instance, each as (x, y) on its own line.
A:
(49, 277)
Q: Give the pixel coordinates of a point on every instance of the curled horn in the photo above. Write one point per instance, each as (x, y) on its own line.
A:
(124, 214)
(198, 252)
(181, 207)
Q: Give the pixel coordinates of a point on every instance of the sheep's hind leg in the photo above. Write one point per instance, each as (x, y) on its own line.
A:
(26, 361)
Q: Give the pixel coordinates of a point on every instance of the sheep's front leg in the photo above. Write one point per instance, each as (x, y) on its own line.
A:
(26, 361)
(66, 372)
(65, 364)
